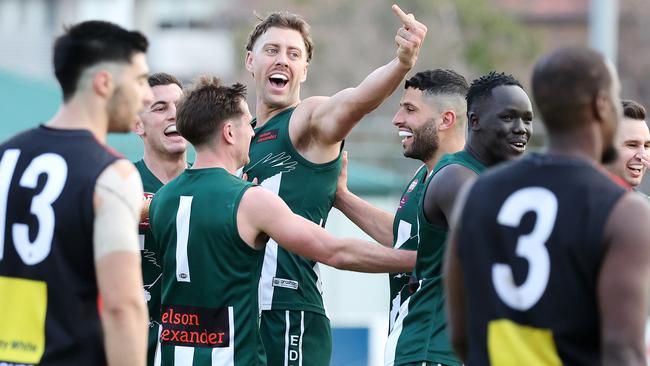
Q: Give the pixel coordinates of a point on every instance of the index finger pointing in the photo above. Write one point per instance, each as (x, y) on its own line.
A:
(401, 14)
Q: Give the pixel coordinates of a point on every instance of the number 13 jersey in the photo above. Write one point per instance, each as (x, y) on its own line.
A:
(531, 246)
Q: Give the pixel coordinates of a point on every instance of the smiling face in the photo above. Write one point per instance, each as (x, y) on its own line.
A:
(157, 124)
(278, 62)
(416, 121)
(504, 122)
(633, 143)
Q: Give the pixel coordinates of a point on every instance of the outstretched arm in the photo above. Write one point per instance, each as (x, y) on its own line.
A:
(624, 281)
(333, 117)
(307, 239)
(372, 220)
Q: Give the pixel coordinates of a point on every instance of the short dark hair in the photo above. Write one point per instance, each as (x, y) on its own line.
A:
(633, 110)
(205, 107)
(565, 82)
(481, 87)
(284, 20)
(162, 78)
(88, 43)
(438, 81)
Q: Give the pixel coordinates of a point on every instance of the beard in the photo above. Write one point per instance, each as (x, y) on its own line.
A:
(610, 155)
(425, 142)
(118, 108)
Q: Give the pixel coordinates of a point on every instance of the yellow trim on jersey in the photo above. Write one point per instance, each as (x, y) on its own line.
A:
(512, 344)
(23, 304)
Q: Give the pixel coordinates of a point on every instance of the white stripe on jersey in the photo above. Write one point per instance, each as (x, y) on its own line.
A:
(403, 233)
(226, 356)
(156, 357)
(270, 266)
(182, 235)
(286, 338)
(393, 337)
(183, 356)
(394, 311)
(302, 331)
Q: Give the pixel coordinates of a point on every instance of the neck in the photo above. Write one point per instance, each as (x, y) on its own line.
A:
(80, 114)
(449, 144)
(584, 143)
(165, 166)
(215, 157)
(264, 112)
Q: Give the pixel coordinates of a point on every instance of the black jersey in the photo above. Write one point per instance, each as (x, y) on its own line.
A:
(48, 291)
(531, 248)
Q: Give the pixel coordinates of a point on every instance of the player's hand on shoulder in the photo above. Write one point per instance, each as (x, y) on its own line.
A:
(409, 37)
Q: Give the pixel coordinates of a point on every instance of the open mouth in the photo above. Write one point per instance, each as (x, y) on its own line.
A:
(405, 135)
(518, 146)
(635, 169)
(278, 80)
(171, 131)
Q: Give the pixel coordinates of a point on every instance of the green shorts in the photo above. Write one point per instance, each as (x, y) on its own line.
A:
(296, 338)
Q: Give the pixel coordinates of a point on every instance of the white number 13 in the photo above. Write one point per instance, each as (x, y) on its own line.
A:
(530, 246)
(56, 172)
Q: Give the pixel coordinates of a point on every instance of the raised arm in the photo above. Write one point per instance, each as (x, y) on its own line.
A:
(453, 281)
(117, 203)
(307, 239)
(372, 220)
(333, 117)
(624, 281)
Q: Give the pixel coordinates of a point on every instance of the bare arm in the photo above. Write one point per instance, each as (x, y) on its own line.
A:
(309, 240)
(333, 117)
(441, 193)
(624, 282)
(117, 203)
(453, 282)
(372, 220)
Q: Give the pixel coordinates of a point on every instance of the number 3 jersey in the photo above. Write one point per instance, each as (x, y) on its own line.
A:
(48, 289)
(288, 281)
(209, 312)
(531, 246)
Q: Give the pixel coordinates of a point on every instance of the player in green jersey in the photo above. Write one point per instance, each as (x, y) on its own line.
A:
(633, 144)
(432, 120)
(212, 228)
(164, 159)
(499, 123)
(296, 153)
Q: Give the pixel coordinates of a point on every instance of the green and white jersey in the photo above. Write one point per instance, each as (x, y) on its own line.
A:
(405, 236)
(419, 333)
(288, 281)
(151, 268)
(209, 312)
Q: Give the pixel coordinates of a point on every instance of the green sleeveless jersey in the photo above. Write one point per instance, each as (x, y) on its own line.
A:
(151, 269)
(209, 311)
(420, 330)
(288, 281)
(405, 236)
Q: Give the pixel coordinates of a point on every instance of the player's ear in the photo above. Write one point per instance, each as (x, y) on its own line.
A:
(228, 132)
(102, 84)
(248, 62)
(448, 120)
(303, 78)
(601, 105)
(472, 120)
(138, 128)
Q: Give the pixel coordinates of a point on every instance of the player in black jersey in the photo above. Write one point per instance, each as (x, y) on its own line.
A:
(549, 260)
(69, 211)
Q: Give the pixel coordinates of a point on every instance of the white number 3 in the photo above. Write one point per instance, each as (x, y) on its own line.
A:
(531, 247)
(56, 172)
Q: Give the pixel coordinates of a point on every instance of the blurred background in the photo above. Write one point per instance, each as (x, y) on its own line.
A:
(352, 38)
